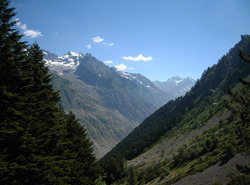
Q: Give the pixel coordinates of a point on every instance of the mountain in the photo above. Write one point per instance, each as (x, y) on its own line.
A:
(131, 99)
(137, 78)
(105, 127)
(105, 101)
(62, 64)
(176, 86)
(190, 133)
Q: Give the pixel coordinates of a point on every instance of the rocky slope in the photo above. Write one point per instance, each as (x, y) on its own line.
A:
(168, 148)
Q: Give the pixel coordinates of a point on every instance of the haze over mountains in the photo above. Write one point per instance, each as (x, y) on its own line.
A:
(176, 86)
(110, 103)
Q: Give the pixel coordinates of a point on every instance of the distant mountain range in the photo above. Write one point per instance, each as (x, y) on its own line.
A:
(108, 102)
(176, 86)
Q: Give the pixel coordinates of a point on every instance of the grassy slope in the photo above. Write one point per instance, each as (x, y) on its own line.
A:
(218, 143)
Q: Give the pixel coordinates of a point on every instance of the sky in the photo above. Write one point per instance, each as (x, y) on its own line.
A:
(157, 38)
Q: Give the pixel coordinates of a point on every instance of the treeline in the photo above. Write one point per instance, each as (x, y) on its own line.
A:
(39, 142)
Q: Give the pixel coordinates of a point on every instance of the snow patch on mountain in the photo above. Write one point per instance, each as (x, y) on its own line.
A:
(137, 78)
(178, 81)
(62, 64)
(176, 86)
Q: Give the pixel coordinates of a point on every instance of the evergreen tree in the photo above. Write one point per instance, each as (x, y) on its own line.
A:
(13, 137)
(40, 144)
(240, 107)
(132, 180)
(243, 57)
(84, 166)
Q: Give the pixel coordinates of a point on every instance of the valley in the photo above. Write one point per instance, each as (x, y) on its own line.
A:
(108, 102)
(116, 112)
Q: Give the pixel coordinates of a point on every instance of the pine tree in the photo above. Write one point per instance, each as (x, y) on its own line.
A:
(13, 137)
(240, 107)
(85, 170)
(46, 121)
(40, 144)
(132, 180)
(62, 142)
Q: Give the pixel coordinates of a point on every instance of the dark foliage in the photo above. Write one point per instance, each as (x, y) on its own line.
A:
(114, 169)
(240, 107)
(40, 144)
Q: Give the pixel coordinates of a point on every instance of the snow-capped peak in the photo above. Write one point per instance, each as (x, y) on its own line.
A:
(178, 81)
(74, 54)
(176, 85)
(67, 62)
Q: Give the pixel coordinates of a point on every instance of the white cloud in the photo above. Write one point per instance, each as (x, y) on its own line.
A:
(108, 44)
(111, 44)
(108, 62)
(32, 33)
(22, 26)
(131, 68)
(138, 58)
(121, 67)
(28, 33)
(97, 39)
(88, 46)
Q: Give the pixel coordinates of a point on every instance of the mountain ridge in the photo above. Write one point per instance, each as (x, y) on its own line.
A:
(176, 86)
(109, 105)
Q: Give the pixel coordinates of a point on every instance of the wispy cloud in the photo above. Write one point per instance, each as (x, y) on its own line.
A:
(88, 46)
(121, 67)
(28, 33)
(131, 68)
(32, 33)
(110, 44)
(22, 26)
(97, 39)
(108, 62)
(140, 57)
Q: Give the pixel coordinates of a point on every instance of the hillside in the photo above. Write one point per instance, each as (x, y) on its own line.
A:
(133, 100)
(180, 125)
(167, 149)
(105, 127)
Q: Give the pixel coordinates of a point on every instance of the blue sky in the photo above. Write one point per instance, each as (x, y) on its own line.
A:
(157, 38)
